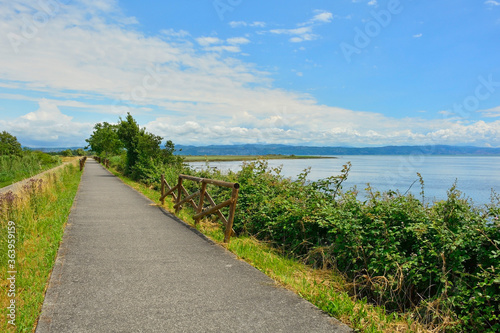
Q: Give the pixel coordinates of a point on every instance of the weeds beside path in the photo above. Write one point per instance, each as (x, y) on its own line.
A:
(36, 214)
(18, 185)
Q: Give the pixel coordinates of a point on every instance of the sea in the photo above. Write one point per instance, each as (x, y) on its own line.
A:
(477, 177)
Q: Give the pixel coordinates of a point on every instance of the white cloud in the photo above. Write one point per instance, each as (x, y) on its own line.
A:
(214, 44)
(322, 16)
(256, 24)
(206, 41)
(173, 33)
(491, 113)
(492, 3)
(305, 30)
(299, 34)
(236, 24)
(238, 40)
(417, 35)
(372, 3)
(47, 126)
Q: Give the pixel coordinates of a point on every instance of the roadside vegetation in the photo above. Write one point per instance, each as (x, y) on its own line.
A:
(17, 164)
(38, 212)
(392, 262)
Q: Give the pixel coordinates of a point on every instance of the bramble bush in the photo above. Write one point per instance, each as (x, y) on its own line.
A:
(440, 262)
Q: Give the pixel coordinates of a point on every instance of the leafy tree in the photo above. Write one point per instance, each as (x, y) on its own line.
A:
(9, 144)
(67, 153)
(128, 132)
(80, 152)
(168, 154)
(104, 139)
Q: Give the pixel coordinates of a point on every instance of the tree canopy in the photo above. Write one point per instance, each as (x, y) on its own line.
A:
(105, 139)
(9, 144)
(144, 155)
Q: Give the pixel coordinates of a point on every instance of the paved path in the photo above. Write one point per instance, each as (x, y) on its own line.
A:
(126, 266)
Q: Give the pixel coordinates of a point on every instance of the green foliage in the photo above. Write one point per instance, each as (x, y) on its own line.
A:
(67, 153)
(80, 152)
(9, 145)
(104, 139)
(128, 133)
(144, 161)
(439, 262)
(14, 168)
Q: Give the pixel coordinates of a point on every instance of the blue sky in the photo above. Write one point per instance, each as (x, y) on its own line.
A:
(330, 73)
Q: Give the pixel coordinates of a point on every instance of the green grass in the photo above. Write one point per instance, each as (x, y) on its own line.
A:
(40, 216)
(228, 158)
(16, 168)
(326, 289)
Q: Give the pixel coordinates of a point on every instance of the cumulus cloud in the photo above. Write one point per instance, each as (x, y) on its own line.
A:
(47, 127)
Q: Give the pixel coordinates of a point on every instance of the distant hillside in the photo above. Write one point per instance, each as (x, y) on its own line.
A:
(54, 150)
(255, 149)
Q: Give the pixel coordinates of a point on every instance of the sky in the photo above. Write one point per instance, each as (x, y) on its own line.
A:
(356, 73)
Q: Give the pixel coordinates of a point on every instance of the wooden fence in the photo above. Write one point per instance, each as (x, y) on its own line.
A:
(179, 190)
(104, 161)
(82, 162)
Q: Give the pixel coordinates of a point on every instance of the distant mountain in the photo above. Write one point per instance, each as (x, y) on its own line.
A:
(53, 150)
(257, 149)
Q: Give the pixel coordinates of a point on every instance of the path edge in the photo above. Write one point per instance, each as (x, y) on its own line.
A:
(51, 294)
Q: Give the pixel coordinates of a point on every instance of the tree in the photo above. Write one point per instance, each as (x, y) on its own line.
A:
(9, 144)
(128, 133)
(80, 152)
(168, 154)
(104, 139)
(67, 153)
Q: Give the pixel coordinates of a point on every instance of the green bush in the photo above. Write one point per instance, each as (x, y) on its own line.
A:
(441, 261)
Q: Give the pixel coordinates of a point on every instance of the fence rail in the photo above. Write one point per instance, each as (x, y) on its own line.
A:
(178, 191)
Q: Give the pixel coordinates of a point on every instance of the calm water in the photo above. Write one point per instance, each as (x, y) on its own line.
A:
(476, 175)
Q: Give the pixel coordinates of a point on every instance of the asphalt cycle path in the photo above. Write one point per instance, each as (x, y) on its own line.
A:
(125, 265)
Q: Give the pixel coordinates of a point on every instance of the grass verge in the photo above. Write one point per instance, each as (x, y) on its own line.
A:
(326, 289)
(39, 212)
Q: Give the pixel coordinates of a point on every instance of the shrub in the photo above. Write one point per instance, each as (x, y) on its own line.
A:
(440, 262)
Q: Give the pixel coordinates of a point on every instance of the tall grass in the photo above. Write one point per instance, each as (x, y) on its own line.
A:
(15, 168)
(39, 211)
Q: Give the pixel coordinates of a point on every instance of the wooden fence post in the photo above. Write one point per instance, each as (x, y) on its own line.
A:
(202, 197)
(179, 194)
(232, 211)
(162, 189)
